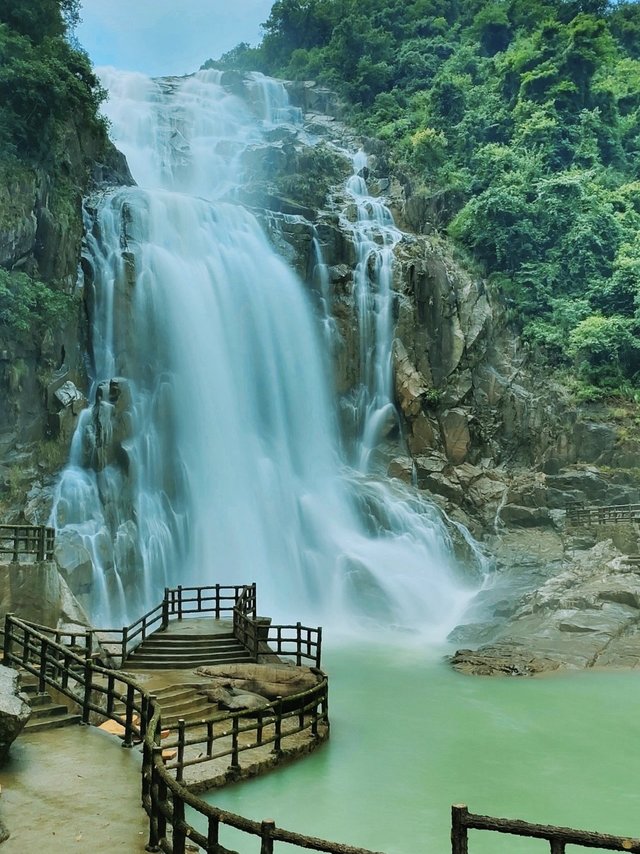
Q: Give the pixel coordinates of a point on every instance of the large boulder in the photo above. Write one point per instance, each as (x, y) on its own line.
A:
(267, 680)
(14, 710)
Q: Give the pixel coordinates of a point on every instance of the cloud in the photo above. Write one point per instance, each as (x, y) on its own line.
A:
(163, 37)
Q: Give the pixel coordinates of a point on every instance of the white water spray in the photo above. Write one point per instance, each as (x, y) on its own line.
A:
(213, 456)
(375, 236)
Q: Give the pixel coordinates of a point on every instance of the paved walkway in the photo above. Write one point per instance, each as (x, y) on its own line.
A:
(72, 790)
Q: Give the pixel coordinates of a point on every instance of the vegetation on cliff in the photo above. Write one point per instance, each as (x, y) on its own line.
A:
(49, 99)
(518, 121)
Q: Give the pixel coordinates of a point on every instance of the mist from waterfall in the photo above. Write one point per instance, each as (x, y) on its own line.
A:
(208, 370)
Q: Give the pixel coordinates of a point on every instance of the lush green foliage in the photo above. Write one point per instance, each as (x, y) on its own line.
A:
(28, 306)
(43, 79)
(48, 94)
(523, 117)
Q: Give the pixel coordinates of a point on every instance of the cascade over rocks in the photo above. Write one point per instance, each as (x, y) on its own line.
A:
(483, 429)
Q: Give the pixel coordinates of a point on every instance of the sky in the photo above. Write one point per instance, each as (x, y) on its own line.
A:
(164, 37)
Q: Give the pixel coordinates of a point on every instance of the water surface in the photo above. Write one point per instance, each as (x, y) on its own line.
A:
(410, 737)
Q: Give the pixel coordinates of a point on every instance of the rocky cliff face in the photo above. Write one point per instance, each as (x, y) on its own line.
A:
(41, 375)
(487, 432)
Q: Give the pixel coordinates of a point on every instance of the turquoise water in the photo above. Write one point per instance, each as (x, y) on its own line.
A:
(410, 737)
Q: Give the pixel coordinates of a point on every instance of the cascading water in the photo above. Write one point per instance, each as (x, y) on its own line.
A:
(211, 454)
(375, 236)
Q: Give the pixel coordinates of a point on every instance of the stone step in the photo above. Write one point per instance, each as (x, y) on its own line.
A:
(47, 710)
(190, 716)
(41, 724)
(34, 699)
(154, 664)
(203, 652)
(190, 640)
(165, 646)
(202, 657)
(178, 636)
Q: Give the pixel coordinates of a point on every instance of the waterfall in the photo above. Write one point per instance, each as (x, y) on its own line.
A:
(375, 236)
(211, 452)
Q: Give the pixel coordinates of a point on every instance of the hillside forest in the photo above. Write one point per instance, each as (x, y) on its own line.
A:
(518, 121)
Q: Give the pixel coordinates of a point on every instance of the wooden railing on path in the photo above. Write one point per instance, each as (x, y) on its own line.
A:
(236, 601)
(21, 540)
(580, 515)
(558, 837)
(164, 797)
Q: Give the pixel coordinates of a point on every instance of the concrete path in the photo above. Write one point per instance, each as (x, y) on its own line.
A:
(72, 790)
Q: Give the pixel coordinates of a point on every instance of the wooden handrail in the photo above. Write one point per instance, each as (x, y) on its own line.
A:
(603, 515)
(20, 540)
(164, 797)
(557, 837)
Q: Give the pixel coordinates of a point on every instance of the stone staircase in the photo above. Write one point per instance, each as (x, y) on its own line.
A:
(176, 651)
(179, 702)
(46, 713)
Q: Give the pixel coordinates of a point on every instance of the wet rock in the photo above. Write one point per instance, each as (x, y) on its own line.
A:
(235, 700)
(14, 710)
(501, 661)
(270, 681)
(411, 386)
(401, 468)
(587, 615)
(526, 517)
(454, 424)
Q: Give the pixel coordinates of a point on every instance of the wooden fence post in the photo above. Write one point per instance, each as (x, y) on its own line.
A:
(42, 685)
(179, 601)
(41, 543)
(181, 738)
(8, 637)
(88, 679)
(165, 609)
(128, 719)
(459, 836)
(299, 644)
(235, 762)
(179, 836)
(557, 846)
(213, 840)
(277, 747)
(266, 835)
(319, 647)
(125, 639)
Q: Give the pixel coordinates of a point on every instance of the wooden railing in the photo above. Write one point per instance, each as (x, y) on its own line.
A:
(302, 643)
(129, 637)
(218, 600)
(234, 732)
(20, 540)
(558, 837)
(299, 642)
(164, 796)
(579, 515)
